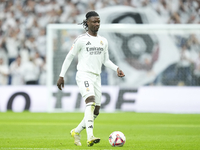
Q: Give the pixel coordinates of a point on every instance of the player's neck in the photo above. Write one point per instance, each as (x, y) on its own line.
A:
(92, 33)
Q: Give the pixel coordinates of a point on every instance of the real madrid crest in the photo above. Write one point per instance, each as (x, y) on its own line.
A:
(101, 43)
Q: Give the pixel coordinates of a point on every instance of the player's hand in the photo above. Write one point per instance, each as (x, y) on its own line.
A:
(120, 73)
(60, 83)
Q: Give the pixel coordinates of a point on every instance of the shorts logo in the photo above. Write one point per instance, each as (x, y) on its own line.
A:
(87, 89)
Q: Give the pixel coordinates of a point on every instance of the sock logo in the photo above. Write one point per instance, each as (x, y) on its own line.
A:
(90, 121)
(90, 127)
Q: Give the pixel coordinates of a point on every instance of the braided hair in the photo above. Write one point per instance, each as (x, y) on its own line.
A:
(88, 15)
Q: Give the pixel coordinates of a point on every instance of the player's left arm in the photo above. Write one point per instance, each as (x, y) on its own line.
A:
(108, 63)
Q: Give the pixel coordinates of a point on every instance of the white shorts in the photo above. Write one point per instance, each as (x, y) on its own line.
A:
(89, 85)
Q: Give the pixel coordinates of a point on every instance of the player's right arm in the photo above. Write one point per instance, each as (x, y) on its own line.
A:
(68, 59)
(65, 66)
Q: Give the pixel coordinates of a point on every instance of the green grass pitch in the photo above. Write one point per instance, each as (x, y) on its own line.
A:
(143, 131)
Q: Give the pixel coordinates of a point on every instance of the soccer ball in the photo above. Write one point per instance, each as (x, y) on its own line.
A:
(117, 139)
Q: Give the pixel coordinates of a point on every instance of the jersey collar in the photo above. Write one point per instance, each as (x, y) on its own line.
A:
(91, 35)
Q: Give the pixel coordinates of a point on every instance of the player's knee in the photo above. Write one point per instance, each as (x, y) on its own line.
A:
(90, 99)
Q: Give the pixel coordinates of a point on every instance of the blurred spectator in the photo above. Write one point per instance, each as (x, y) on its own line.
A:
(41, 20)
(15, 72)
(38, 60)
(30, 72)
(184, 11)
(188, 11)
(53, 5)
(24, 52)
(31, 44)
(53, 16)
(104, 3)
(29, 6)
(35, 29)
(9, 21)
(27, 19)
(68, 11)
(43, 71)
(41, 63)
(1, 30)
(18, 8)
(163, 10)
(20, 34)
(41, 7)
(174, 19)
(12, 45)
(41, 43)
(4, 72)
(3, 52)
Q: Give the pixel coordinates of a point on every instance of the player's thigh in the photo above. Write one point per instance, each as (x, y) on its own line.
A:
(85, 84)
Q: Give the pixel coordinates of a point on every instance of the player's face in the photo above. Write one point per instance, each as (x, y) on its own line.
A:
(93, 24)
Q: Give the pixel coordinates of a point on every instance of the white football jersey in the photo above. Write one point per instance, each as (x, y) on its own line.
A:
(92, 52)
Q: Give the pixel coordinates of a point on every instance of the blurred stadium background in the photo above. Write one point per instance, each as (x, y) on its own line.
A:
(162, 70)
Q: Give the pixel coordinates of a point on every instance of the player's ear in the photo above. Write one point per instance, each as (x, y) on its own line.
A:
(88, 20)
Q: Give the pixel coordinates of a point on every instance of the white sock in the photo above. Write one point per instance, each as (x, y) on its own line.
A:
(81, 125)
(89, 119)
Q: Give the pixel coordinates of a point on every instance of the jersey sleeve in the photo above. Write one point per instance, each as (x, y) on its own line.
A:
(76, 46)
(70, 56)
(107, 62)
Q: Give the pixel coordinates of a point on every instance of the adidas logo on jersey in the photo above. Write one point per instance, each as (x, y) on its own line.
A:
(88, 43)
